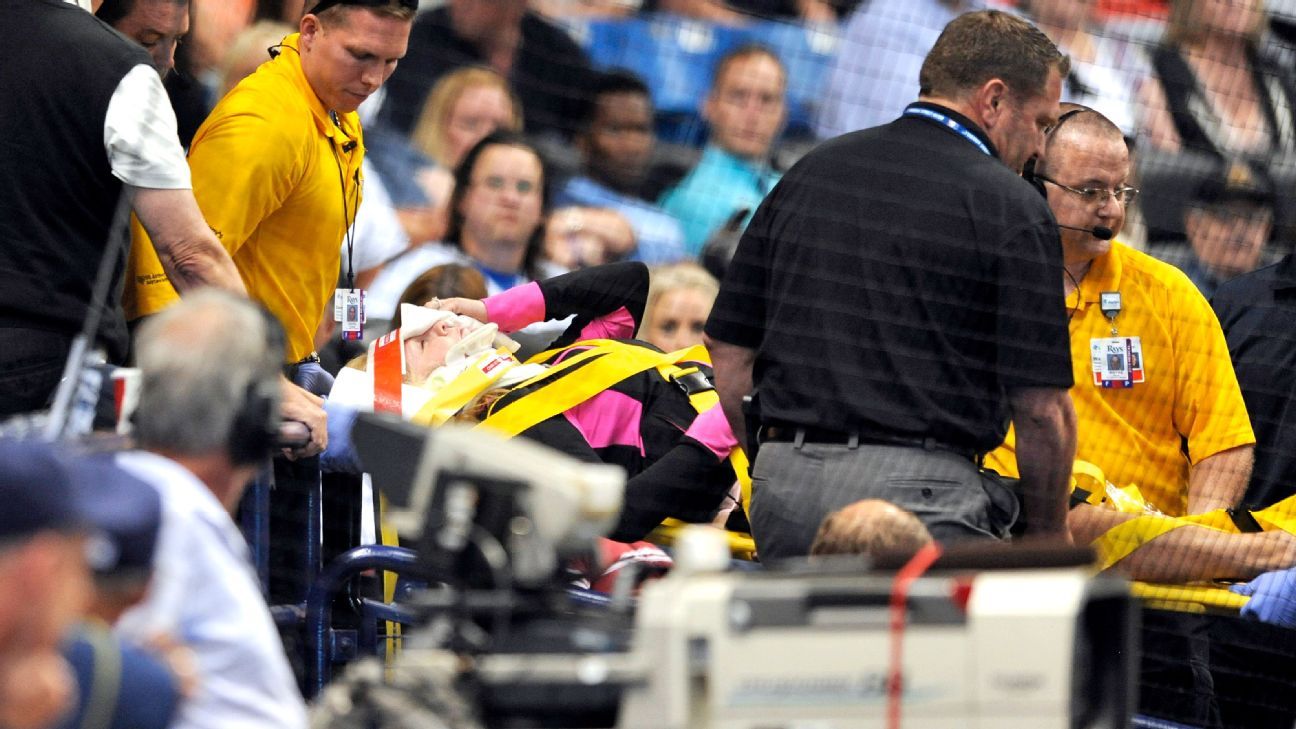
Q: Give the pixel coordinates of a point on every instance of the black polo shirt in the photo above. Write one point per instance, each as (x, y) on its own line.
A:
(1258, 313)
(899, 279)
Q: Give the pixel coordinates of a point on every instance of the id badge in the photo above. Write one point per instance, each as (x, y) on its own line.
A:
(348, 308)
(1116, 361)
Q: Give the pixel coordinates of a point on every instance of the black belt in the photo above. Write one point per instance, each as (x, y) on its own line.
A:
(789, 433)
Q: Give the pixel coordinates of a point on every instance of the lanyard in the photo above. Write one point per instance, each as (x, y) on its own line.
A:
(950, 122)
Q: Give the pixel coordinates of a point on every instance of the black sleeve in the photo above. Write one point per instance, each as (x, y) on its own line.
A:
(1033, 341)
(738, 315)
(687, 483)
(591, 293)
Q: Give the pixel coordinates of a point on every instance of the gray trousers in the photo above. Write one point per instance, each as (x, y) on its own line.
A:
(795, 487)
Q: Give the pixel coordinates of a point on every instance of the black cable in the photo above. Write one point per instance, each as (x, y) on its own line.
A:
(348, 220)
(1075, 309)
(118, 241)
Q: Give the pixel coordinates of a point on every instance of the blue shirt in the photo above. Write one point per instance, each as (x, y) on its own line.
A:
(720, 185)
(659, 237)
(882, 50)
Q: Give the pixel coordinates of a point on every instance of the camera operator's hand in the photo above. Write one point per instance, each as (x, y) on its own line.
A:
(298, 404)
(473, 308)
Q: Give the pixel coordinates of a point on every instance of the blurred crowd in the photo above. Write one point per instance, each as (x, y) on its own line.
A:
(1204, 91)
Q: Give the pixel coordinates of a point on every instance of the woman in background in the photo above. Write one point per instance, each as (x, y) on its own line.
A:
(679, 302)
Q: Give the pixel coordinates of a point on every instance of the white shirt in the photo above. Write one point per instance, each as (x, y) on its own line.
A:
(206, 594)
(140, 131)
(377, 231)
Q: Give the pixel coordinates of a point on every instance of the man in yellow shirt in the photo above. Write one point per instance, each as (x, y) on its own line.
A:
(1156, 399)
(276, 169)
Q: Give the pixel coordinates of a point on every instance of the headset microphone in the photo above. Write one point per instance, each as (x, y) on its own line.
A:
(1101, 232)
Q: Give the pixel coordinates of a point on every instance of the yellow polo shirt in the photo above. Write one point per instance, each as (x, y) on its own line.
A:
(1190, 393)
(270, 170)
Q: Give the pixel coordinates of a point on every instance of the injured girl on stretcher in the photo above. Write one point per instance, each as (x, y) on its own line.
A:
(596, 394)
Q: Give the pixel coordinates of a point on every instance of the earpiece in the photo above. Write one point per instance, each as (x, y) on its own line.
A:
(1028, 169)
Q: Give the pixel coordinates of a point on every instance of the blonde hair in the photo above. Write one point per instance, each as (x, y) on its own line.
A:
(675, 276)
(479, 407)
(429, 135)
(870, 527)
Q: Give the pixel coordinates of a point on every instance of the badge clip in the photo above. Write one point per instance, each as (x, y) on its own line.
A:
(1109, 302)
(349, 309)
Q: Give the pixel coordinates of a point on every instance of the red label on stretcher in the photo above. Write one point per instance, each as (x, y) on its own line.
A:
(386, 367)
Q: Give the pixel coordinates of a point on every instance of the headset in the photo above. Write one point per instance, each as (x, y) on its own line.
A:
(1028, 169)
(254, 430)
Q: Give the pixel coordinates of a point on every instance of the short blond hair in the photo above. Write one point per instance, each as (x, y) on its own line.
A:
(870, 527)
(675, 276)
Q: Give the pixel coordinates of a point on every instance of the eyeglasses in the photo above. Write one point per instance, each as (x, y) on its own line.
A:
(323, 5)
(1098, 195)
(496, 183)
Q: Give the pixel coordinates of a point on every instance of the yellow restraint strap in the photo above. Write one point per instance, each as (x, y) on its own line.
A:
(1121, 540)
(604, 364)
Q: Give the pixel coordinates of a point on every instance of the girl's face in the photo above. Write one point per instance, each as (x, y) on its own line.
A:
(677, 318)
(427, 351)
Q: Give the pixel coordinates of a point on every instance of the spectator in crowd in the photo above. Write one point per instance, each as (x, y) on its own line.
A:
(267, 164)
(870, 527)
(1154, 380)
(216, 26)
(577, 237)
(544, 66)
(44, 581)
(879, 373)
(247, 52)
(1214, 100)
(563, 9)
(739, 12)
(158, 25)
(122, 685)
(616, 145)
(679, 300)
(1228, 223)
(744, 110)
(1105, 72)
(496, 225)
(207, 416)
(875, 73)
(95, 125)
(1258, 313)
(464, 106)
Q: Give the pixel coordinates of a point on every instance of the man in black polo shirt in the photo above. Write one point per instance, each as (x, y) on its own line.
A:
(894, 302)
(1256, 311)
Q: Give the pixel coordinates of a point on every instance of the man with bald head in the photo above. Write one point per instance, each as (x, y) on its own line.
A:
(1156, 399)
(870, 527)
